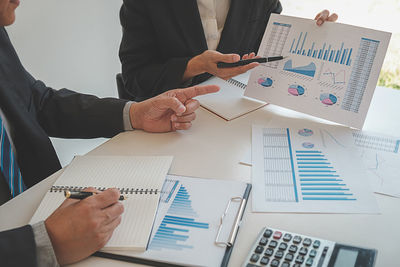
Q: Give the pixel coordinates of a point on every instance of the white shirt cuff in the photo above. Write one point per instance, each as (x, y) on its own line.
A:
(126, 117)
(44, 249)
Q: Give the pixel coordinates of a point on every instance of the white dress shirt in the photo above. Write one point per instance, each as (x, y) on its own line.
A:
(213, 15)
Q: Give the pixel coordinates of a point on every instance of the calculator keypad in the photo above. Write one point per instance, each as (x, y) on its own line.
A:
(277, 248)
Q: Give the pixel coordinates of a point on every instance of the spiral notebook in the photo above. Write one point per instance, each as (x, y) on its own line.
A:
(230, 102)
(140, 178)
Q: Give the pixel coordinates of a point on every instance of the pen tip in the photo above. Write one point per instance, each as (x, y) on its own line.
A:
(67, 194)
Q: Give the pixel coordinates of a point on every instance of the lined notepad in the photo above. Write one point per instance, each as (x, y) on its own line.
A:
(229, 102)
(140, 178)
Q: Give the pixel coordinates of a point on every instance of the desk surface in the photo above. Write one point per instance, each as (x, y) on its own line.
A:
(213, 149)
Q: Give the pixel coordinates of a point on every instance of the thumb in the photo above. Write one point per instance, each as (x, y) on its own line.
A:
(228, 58)
(173, 103)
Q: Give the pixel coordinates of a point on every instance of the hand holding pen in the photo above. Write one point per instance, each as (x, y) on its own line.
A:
(85, 194)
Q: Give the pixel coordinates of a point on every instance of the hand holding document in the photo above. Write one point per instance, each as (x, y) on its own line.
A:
(331, 71)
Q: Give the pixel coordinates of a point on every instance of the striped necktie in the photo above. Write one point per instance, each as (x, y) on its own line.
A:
(9, 165)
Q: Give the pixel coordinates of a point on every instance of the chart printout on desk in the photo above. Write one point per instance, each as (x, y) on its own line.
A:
(331, 71)
(308, 168)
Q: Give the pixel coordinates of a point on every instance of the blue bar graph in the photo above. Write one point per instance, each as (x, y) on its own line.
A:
(318, 179)
(174, 230)
(325, 52)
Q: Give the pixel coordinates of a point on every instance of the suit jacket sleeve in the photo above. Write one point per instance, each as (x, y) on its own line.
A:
(145, 74)
(67, 114)
(17, 247)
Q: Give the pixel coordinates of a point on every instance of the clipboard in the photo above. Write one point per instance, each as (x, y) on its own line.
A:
(219, 240)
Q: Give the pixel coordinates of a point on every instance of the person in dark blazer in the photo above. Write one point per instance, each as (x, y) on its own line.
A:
(177, 43)
(30, 112)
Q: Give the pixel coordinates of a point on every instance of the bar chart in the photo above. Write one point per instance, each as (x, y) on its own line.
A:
(327, 52)
(176, 226)
(318, 179)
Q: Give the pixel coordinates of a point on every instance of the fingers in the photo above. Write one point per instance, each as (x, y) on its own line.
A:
(228, 58)
(105, 198)
(191, 106)
(239, 70)
(184, 118)
(171, 102)
(181, 125)
(112, 212)
(333, 17)
(324, 16)
(249, 56)
(110, 227)
(190, 92)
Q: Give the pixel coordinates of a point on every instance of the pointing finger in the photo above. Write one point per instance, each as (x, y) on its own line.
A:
(188, 93)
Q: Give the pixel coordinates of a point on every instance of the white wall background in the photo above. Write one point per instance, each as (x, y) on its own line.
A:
(72, 44)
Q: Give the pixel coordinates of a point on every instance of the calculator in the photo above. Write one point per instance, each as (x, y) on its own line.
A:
(277, 248)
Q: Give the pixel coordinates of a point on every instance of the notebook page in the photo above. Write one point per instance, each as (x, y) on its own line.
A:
(121, 172)
(116, 171)
(229, 102)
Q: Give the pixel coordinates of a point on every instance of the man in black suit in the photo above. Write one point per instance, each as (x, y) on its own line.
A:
(177, 43)
(30, 112)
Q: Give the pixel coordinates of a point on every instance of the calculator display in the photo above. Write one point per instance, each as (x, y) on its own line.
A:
(346, 257)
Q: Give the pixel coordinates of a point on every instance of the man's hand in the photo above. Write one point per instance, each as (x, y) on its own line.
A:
(323, 16)
(170, 111)
(207, 62)
(77, 229)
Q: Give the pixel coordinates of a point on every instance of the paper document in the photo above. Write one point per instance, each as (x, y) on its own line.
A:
(229, 103)
(381, 157)
(330, 71)
(308, 167)
(188, 219)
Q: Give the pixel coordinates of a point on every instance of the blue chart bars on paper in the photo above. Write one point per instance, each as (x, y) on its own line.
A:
(325, 52)
(318, 179)
(176, 226)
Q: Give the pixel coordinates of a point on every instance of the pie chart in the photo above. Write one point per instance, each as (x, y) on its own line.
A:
(308, 145)
(296, 90)
(328, 99)
(266, 82)
(305, 132)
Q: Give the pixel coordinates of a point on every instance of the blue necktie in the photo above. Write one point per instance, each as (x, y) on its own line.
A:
(9, 165)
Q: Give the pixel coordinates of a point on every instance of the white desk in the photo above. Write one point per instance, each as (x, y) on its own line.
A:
(213, 148)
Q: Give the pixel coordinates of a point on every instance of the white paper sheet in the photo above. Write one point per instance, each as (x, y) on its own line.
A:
(229, 103)
(381, 158)
(308, 167)
(330, 72)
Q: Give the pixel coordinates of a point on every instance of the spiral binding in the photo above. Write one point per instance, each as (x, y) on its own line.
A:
(237, 83)
(61, 188)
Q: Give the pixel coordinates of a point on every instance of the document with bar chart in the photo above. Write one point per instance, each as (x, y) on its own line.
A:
(331, 71)
(308, 168)
(187, 222)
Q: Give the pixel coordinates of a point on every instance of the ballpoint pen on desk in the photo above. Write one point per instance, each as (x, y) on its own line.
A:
(83, 195)
(248, 61)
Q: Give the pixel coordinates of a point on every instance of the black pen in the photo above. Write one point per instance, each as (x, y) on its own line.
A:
(248, 61)
(83, 195)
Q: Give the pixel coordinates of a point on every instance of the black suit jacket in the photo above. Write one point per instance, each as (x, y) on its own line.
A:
(160, 37)
(35, 112)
